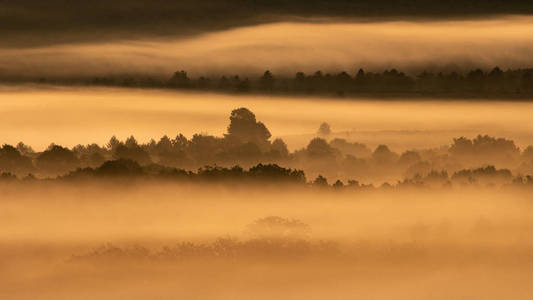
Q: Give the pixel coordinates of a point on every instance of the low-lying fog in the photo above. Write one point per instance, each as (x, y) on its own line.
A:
(289, 47)
(40, 115)
(121, 239)
(93, 213)
(473, 244)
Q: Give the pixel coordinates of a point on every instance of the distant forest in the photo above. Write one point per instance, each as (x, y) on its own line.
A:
(246, 153)
(477, 83)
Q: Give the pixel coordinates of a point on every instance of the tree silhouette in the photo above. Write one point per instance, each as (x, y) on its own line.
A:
(119, 168)
(57, 160)
(318, 148)
(320, 181)
(131, 150)
(347, 148)
(245, 128)
(409, 158)
(382, 155)
(13, 162)
(180, 80)
(267, 81)
(279, 148)
(324, 130)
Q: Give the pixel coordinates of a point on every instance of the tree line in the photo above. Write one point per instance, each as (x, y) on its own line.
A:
(124, 170)
(248, 144)
(477, 83)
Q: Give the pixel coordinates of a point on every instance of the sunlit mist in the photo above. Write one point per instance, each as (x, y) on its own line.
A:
(258, 149)
(70, 116)
(286, 47)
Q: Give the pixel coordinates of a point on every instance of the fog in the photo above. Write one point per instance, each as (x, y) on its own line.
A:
(40, 115)
(99, 212)
(456, 244)
(290, 47)
(212, 178)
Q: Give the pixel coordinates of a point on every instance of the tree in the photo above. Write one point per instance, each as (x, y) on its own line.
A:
(382, 155)
(318, 148)
(203, 148)
(244, 128)
(180, 142)
(355, 149)
(320, 181)
(324, 129)
(131, 142)
(526, 82)
(267, 81)
(409, 158)
(113, 143)
(133, 152)
(121, 167)
(274, 172)
(24, 149)
(527, 154)
(338, 184)
(299, 79)
(247, 152)
(11, 160)
(485, 149)
(57, 160)
(280, 148)
(180, 80)
(164, 145)
(360, 74)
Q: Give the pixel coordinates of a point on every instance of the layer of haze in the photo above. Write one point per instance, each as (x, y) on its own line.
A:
(463, 244)
(291, 47)
(453, 244)
(40, 115)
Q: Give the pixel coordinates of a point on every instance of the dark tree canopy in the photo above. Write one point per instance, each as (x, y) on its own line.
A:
(57, 159)
(319, 148)
(11, 160)
(245, 128)
(246, 153)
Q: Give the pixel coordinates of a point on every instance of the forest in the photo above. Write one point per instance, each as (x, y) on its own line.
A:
(477, 83)
(247, 154)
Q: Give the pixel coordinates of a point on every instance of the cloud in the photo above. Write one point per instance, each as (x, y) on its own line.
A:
(288, 47)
